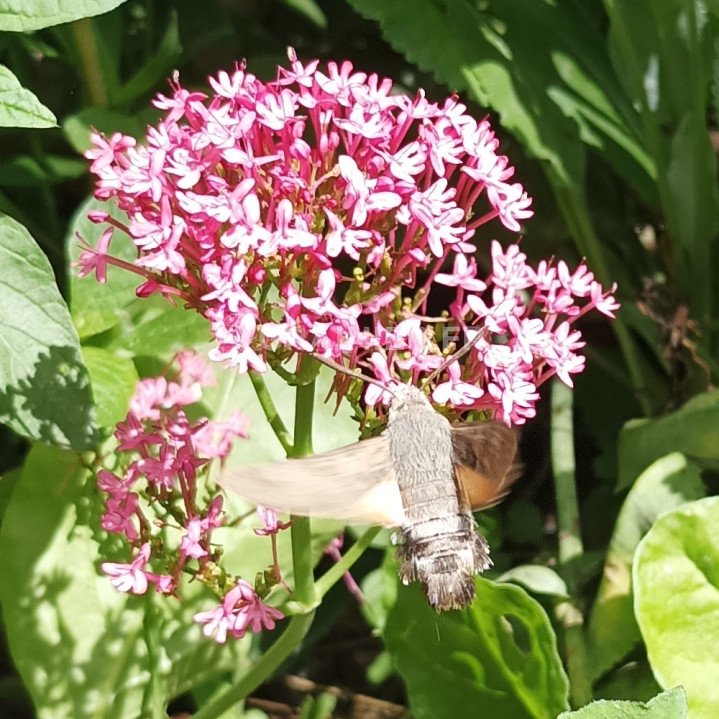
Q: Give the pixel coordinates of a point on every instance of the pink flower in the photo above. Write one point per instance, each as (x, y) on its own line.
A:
(130, 577)
(315, 214)
(270, 523)
(192, 539)
(119, 515)
(455, 391)
(241, 609)
(96, 259)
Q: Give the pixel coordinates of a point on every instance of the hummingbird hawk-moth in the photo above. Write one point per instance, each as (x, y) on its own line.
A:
(422, 475)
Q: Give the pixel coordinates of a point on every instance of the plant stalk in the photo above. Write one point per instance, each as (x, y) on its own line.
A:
(83, 31)
(304, 593)
(571, 547)
(264, 668)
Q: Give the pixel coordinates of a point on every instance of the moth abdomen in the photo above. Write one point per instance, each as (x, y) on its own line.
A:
(444, 563)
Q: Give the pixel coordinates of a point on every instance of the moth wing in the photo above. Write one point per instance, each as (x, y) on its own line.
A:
(356, 484)
(486, 465)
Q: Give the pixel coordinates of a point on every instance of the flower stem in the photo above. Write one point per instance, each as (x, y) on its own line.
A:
(571, 547)
(273, 416)
(333, 575)
(304, 593)
(263, 668)
(83, 31)
(153, 700)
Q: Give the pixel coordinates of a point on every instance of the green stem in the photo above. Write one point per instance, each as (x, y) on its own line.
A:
(153, 700)
(273, 416)
(571, 547)
(263, 668)
(85, 37)
(302, 565)
(333, 575)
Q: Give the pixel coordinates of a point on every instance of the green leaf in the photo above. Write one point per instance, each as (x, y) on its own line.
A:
(98, 307)
(633, 681)
(663, 50)
(44, 386)
(664, 485)
(114, 380)
(667, 705)
(156, 66)
(162, 328)
(74, 640)
(692, 430)
(676, 602)
(18, 106)
(77, 127)
(26, 15)
(330, 429)
(26, 171)
(537, 579)
(499, 654)
(77, 643)
(310, 9)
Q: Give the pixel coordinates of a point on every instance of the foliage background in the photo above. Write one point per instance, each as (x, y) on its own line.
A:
(609, 112)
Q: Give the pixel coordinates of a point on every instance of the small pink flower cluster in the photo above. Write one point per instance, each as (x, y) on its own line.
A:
(157, 494)
(315, 214)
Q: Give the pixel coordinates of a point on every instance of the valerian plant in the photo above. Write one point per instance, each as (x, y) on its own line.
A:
(315, 217)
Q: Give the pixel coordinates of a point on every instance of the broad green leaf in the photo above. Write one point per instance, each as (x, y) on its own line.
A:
(98, 307)
(692, 430)
(114, 380)
(664, 485)
(499, 655)
(44, 386)
(75, 641)
(537, 579)
(26, 15)
(676, 602)
(18, 106)
(667, 705)
(78, 644)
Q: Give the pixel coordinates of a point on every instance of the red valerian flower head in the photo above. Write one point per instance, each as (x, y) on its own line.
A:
(318, 212)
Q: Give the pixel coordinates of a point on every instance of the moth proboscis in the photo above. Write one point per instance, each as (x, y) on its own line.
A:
(422, 475)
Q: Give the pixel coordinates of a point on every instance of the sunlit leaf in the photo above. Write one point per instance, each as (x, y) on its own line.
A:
(668, 705)
(18, 106)
(537, 579)
(98, 307)
(44, 386)
(692, 430)
(676, 602)
(499, 654)
(26, 15)
(114, 380)
(664, 485)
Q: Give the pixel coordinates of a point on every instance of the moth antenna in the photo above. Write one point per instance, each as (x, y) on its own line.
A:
(350, 372)
(461, 352)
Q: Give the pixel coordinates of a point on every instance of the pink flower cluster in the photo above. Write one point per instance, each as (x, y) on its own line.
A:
(156, 497)
(317, 213)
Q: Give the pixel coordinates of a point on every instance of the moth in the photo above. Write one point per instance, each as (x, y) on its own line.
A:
(422, 475)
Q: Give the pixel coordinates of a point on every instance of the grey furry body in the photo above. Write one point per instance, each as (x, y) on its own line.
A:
(440, 546)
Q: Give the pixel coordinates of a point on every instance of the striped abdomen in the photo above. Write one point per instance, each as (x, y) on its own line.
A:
(440, 545)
